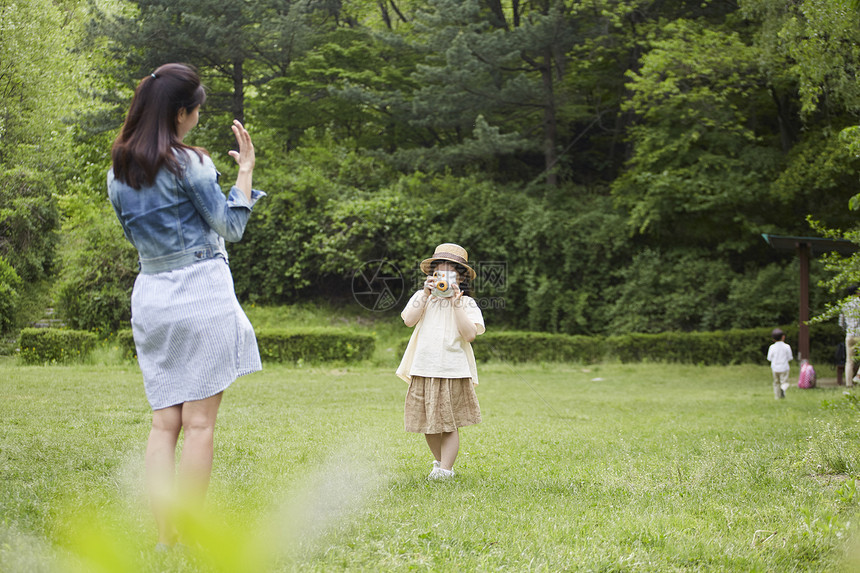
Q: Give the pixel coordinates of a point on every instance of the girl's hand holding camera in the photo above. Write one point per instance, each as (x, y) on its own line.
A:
(443, 284)
(429, 284)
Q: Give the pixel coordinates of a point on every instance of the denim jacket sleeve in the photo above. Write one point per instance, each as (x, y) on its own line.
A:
(227, 217)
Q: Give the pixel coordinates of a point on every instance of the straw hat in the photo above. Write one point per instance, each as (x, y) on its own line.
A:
(452, 253)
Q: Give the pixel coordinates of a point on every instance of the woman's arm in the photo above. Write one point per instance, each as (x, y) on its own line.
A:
(227, 218)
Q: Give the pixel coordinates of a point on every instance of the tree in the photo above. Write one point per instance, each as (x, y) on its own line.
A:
(10, 295)
(323, 90)
(702, 154)
(39, 81)
(502, 64)
(29, 219)
(210, 34)
(819, 40)
(236, 45)
(670, 133)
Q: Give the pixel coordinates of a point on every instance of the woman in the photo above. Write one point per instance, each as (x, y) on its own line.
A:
(192, 337)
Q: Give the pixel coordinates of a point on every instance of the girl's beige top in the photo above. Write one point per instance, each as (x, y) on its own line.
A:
(436, 349)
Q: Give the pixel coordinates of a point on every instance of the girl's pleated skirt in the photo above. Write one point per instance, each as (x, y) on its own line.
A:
(192, 337)
(436, 405)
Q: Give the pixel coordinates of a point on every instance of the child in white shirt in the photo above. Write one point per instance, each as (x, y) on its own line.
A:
(439, 364)
(779, 355)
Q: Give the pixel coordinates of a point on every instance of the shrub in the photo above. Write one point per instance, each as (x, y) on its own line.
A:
(747, 346)
(29, 219)
(99, 269)
(311, 240)
(52, 345)
(125, 341)
(310, 345)
(10, 284)
(538, 346)
(314, 345)
(726, 347)
(823, 339)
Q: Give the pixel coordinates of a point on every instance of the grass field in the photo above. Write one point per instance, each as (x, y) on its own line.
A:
(578, 468)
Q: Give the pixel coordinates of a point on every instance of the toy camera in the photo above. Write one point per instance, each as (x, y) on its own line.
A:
(442, 283)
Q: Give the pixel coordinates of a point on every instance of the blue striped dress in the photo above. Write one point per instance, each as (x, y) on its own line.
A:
(192, 337)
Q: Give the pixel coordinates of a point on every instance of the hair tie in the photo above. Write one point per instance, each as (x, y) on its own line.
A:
(154, 76)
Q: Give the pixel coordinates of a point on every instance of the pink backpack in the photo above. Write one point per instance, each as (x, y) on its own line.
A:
(807, 375)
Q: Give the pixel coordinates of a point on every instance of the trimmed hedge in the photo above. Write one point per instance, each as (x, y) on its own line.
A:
(747, 346)
(720, 347)
(313, 345)
(125, 341)
(54, 345)
(513, 346)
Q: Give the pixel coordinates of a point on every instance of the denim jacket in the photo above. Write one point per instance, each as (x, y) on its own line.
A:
(178, 221)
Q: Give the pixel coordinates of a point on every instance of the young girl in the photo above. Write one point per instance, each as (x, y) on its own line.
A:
(439, 364)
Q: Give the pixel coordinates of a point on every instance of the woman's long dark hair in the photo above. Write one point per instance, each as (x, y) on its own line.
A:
(148, 137)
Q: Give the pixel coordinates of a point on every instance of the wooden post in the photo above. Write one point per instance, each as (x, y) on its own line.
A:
(803, 327)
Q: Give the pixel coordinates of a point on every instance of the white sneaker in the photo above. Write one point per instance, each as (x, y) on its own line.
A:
(436, 464)
(439, 473)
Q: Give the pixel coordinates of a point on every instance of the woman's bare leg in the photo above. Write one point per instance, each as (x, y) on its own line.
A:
(160, 461)
(195, 463)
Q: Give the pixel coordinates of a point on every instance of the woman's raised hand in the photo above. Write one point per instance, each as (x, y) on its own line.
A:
(245, 157)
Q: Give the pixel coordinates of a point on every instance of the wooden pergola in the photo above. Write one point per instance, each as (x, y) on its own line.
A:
(807, 247)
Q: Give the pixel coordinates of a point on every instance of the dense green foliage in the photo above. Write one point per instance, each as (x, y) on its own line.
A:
(53, 346)
(94, 289)
(43, 84)
(620, 158)
(29, 218)
(42, 71)
(312, 346)
(125, 341)
(10, 295)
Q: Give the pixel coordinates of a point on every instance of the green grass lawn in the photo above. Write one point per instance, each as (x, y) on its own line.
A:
(583, 468)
